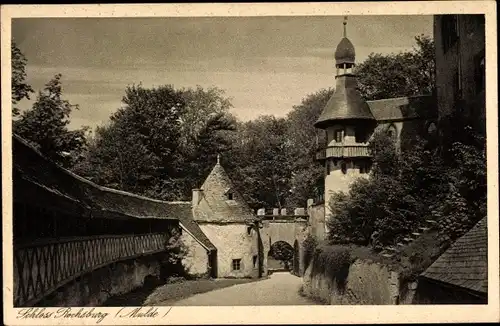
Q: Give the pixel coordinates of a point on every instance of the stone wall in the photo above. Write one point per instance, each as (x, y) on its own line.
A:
(233, 241)
(195, 261)
(93, 289)
(368, 283)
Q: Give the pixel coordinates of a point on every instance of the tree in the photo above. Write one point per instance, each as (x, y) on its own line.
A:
(304, 141)
(403, 74)
(159, 144)
(282, 251)
(261, 169)
(46, 126)
(20, 89)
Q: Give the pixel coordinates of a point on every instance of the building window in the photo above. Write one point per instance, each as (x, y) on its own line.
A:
(343, 166)
(391, 131)
(230, 195)
(254, 259)
(236, 264)
(479, 72)
(338, 135)
(449, 31)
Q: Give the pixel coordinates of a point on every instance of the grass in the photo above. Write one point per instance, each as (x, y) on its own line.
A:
(167, 294)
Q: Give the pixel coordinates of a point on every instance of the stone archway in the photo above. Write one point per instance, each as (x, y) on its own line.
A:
(280, 256)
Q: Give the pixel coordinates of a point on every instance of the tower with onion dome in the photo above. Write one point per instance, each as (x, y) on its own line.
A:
(348, 123)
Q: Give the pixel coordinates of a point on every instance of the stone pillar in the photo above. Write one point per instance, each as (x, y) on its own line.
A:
(299, 211)
(310, 202)
(283, 211)
(261, 212)
(276, 211)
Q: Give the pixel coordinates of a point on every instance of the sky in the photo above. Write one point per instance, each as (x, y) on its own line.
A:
(265, 65)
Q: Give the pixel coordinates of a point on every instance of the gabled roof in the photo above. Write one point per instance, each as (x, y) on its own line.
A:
(465, 263)
(184, 212)
(34, 170)
(402, 108)
(215, 204)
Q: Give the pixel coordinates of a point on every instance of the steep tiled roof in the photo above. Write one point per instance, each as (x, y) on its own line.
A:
(400, 108)
(215, 204)
(465, 263)
(32, 167)
(345, 104)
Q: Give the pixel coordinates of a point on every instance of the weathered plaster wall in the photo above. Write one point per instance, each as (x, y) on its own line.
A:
(367, 283)
(233, 242)
(93, 289)
(196, 259)
(317, 220)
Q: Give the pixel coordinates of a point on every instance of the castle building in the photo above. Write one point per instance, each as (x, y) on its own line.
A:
(226, 219)
(350, 122)
(460, 65)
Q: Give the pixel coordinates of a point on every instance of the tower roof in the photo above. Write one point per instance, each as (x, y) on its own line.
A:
(345, 104)
(345, 52)
(224, 202)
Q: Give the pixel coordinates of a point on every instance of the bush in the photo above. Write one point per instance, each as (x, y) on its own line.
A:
(310, 244)
(334, 262)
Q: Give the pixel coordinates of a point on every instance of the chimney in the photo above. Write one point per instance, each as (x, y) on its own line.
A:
(197, 195)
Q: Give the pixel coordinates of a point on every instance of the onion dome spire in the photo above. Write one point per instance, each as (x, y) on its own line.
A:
(345, 54)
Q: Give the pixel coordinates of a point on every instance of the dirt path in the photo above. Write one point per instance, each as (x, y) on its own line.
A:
(278, 289)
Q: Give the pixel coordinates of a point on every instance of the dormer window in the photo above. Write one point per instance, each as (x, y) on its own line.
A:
(229, 194)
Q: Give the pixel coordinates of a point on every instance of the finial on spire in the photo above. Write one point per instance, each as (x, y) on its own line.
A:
(345, 26)
(218, 159)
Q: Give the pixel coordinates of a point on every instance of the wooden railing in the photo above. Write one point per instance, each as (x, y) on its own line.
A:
(43, 266)
(354, 150)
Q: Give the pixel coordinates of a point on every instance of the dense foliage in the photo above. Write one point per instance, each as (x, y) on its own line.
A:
(161, 143)
(402, 74)
(445, 183)
(46, 126)
(20, 89)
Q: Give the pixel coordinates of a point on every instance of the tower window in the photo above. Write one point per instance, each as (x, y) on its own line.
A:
(236, 265)
(230, 196)
(338, 135)
(343, 166)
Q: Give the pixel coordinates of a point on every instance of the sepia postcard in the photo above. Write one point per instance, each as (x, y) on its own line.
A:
(255, 163)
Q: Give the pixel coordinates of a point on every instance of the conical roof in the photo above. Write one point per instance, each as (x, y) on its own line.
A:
(345, 52)
(221, 201)
(345, 104)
